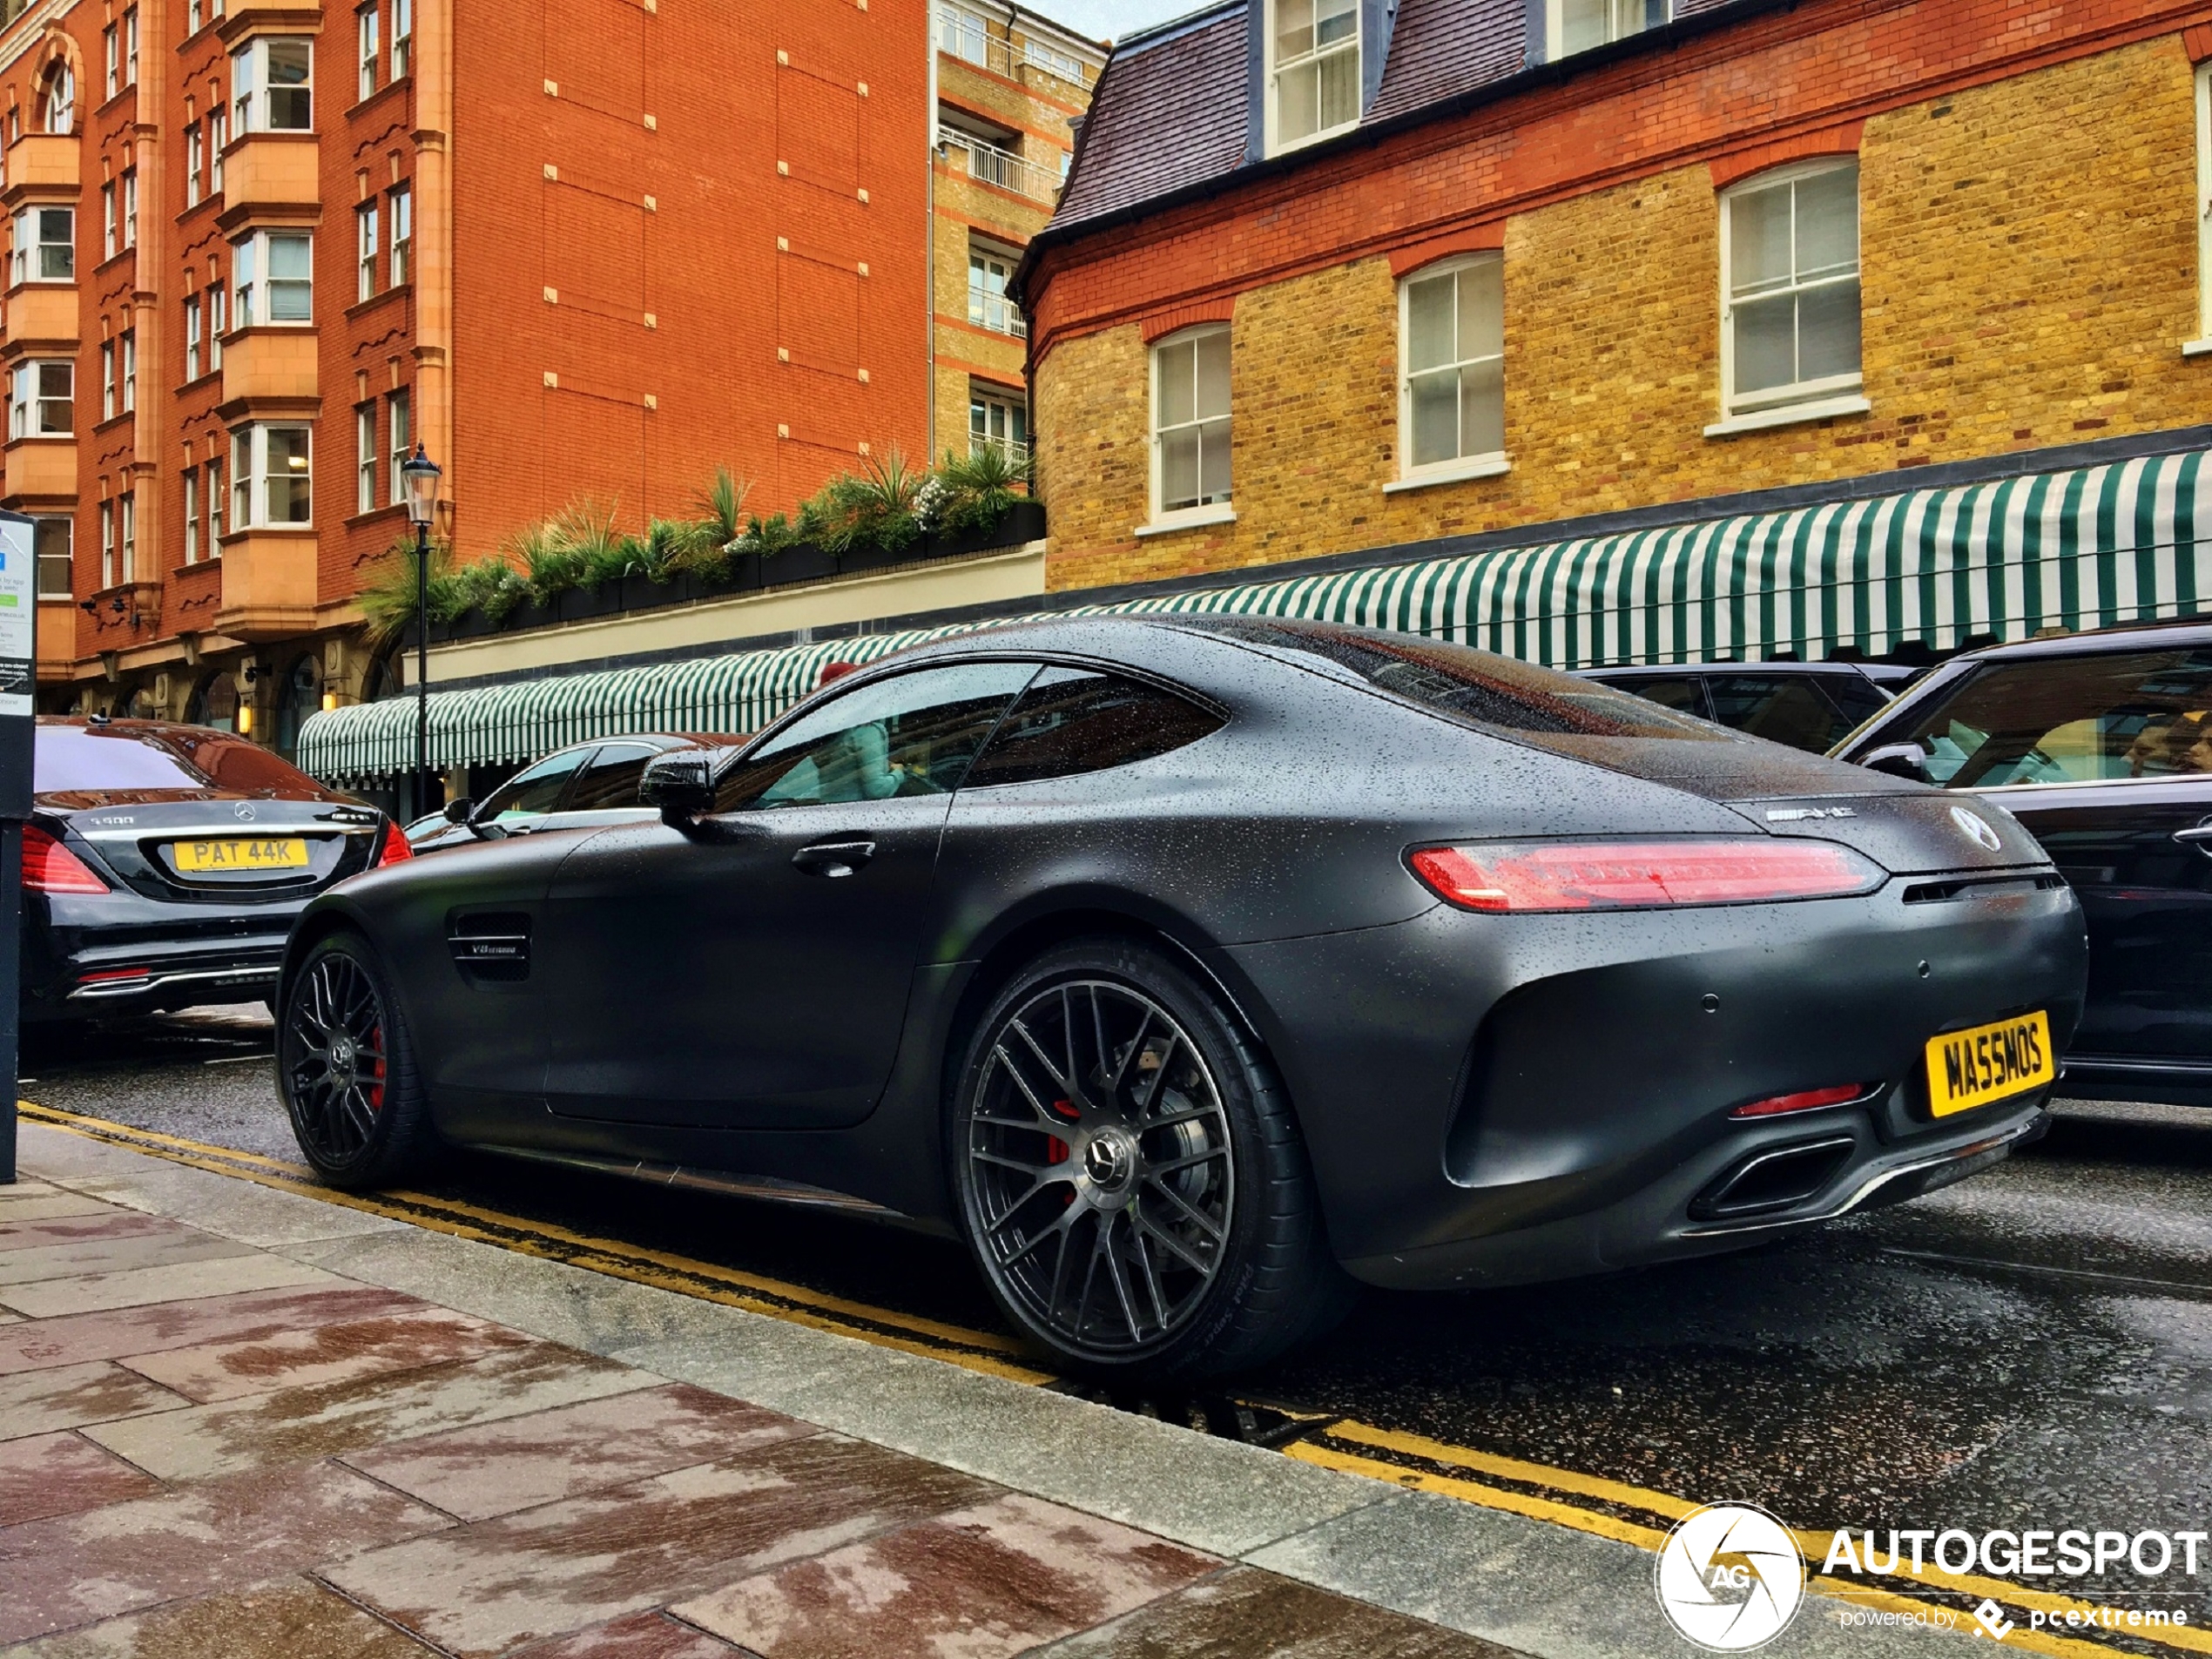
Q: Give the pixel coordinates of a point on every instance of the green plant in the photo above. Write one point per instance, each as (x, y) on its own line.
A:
(872, 507)
(978, 487)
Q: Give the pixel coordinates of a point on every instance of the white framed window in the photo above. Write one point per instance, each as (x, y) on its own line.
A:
(273, 274)
(1790, 288)
(964, 35)
(1578, 25)
(193, 18)
(365, 458)
(1452, 369)
(215, 501)
(271, 476)
(111, 51)
(987, 306)
(126, 536)
(371, 54)
(1313, 70)
(107, 380)
(403, 234)
(218, 324)
(128, 359)
(365, 251)
(54, 542)
(44, 248)
(192, 514)
(1190, 425)
(61, 100)
(195, 164)
(129, 207)
(997, 421)
(402, 36)
(107, 220)
(130, 47)
(219, 135)
(194, 339)
(2203, 341)
(41, 399)
(107, 543)
(272, 85)
(400, 424)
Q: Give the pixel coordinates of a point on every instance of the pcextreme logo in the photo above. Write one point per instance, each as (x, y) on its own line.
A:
(1730, 1577)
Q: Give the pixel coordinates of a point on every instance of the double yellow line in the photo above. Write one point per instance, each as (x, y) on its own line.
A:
(1585, 1503)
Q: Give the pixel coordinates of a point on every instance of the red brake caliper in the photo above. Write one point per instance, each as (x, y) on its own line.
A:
(377, 1089)
(1055, 1149)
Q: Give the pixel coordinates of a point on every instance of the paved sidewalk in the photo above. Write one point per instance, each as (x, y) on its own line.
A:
(237, 1421)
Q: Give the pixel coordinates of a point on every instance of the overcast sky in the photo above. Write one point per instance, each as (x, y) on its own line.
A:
(1111, 19)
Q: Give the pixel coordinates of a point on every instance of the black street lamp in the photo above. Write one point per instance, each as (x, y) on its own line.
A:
(421, 475)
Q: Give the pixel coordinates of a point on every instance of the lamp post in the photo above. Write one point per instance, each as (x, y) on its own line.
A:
(421, 474)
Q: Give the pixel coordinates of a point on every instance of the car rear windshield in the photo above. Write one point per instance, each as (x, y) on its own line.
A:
(78, 759)
(2102, 715)
(1464, 684)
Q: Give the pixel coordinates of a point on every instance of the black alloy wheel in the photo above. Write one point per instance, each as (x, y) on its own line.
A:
(346, 1068)
(1131, 1181)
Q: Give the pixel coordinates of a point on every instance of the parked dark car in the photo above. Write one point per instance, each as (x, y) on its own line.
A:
(1184, 965)
(1806, 706)
(164, 865)
(2102, 745)
(586, 785)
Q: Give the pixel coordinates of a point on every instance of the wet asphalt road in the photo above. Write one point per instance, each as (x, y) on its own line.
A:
(2030, 1348)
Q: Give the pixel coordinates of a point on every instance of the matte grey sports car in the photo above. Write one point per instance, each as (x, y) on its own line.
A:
(1193, 968)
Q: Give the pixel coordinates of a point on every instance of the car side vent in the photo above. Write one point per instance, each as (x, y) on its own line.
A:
(492, 945)
(1982, 887)
(1772, 1180)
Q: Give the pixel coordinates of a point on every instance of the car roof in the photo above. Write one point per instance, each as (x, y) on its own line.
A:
(1882, 671)
(2180, 633)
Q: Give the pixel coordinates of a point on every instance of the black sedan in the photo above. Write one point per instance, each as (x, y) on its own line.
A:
(2101, 745)
(1807, 705)
(164, 864)
(1193, 968)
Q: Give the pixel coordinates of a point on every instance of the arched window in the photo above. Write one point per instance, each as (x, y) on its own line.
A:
(214, 702)
(60, 99)
(301, 696)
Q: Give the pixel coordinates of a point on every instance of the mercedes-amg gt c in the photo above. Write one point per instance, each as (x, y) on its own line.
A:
(1193, 968)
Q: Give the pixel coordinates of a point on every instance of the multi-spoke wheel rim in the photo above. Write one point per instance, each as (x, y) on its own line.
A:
(1099, 1166)
(334, 1059)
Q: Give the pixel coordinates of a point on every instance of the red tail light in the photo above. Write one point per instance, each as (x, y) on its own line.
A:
(1522, 876)
(48, 867)
(1804, 1101)
(395, 849)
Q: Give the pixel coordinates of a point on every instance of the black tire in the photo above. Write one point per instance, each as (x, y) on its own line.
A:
(346, 1069)
(1185, 1187)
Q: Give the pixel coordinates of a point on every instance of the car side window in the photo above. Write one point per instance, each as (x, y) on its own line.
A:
(2102, 716)
(533, 791)
(1684, 693)
(913, 734)
(1783, 708)
(1073, 720)
(1859, 697)
(611, 778)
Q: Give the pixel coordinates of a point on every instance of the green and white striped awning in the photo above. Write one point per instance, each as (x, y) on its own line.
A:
(2082, 549)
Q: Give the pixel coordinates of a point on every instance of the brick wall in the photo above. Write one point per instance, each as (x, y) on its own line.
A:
(2028, 262)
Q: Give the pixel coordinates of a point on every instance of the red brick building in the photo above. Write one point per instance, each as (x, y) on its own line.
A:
(579, 249)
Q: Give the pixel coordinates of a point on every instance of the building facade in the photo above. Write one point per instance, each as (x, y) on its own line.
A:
(1332, 278)
(582, 251)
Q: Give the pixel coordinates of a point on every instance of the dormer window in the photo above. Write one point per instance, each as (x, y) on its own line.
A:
(1578, 25)
(1313, 79)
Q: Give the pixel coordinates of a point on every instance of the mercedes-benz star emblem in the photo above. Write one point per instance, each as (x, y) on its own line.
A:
(243, 810)
(1976, 829)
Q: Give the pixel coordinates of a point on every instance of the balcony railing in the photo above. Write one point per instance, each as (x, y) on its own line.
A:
(993, 165)
(1014, 449)
(996, 313)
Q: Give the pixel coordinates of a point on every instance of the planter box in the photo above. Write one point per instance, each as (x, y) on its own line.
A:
(1021, 522)
(640, 594)
(529, 615)
(802, 562)
(855, 559)
(472, 624)
(581, 604)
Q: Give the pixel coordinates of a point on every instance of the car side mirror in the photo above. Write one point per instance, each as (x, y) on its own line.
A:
(457, 812)
(1899, 759)
(680, 786)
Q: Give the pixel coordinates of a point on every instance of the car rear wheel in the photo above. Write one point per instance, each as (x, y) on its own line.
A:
(346, 1069)
(1130, 1176)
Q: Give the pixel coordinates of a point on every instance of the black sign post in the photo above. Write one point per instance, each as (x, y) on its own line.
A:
(18, 680)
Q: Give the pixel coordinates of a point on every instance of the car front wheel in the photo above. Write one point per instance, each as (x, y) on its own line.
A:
(347, 1069)
(1130, 1176)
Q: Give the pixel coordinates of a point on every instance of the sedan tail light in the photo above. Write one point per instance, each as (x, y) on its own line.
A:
(48, 867)
(1524, 876)
(395, 849)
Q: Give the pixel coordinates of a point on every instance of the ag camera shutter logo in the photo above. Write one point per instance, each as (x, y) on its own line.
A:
(1730, 1577)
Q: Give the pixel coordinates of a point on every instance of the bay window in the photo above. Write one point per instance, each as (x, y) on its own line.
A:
(273, 274)
(41, 399)
(1789, 292)
(271, 476)
(1313, 70)
(46, 246)
(272, 85)
(1190, 424)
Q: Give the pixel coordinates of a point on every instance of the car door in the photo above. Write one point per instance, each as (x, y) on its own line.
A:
(2107, 758)
(754, 973)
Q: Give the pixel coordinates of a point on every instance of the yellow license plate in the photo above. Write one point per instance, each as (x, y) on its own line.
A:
(1990, 1063)
(238, 852)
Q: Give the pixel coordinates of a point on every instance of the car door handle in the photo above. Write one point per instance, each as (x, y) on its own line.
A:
(833, 858)
(2200, 837)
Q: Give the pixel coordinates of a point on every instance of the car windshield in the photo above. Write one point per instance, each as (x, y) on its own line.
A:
(1465, 684)
(2097, 716)
(75, 759)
